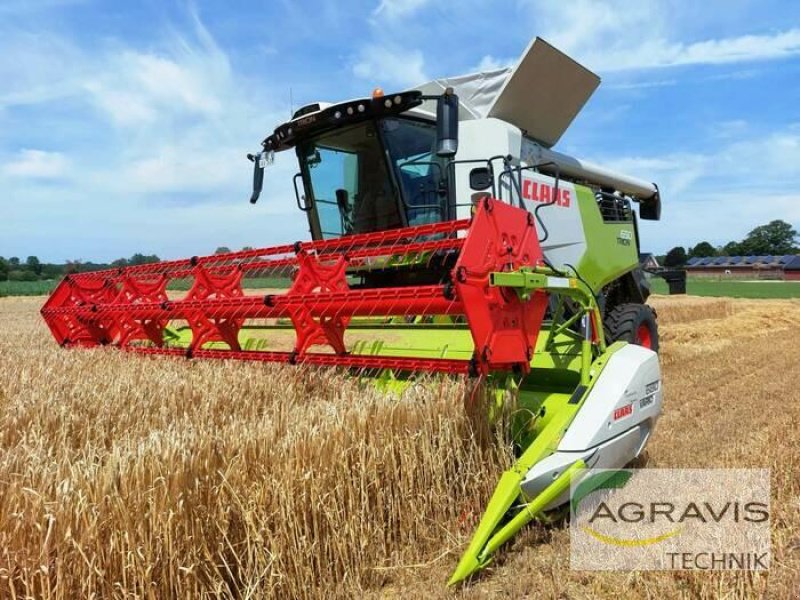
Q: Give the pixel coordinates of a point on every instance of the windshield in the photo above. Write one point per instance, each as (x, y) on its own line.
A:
(351, 188)
(411, 146)
(352, 191)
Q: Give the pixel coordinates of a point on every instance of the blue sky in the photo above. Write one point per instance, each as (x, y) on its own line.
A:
(124, 125)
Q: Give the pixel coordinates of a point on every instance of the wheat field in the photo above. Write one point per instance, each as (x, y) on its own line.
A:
(132, 477)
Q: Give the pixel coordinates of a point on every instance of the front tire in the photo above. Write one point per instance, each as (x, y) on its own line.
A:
(632, 323)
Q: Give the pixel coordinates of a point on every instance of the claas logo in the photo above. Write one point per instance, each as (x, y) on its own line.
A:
(623, 411)
(536, 191)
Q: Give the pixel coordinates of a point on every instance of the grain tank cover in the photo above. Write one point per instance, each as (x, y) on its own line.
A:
(544, 93)
(476, 91)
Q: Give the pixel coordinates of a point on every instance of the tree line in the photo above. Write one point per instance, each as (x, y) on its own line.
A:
(776, 238)
(32, 269)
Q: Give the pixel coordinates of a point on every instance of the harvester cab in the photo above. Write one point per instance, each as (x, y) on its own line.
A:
(447, 236)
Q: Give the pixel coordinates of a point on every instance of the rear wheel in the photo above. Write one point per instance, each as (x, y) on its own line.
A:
(632, 323)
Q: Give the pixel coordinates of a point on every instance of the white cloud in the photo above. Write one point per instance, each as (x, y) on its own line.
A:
(715, 217)
(135, 88)
(188, 78)
(640, 85)
(37, 164)
(178, 169)
(674, 173)
(389, 65)
(395, 9)
(766, 161)
(186, 117)
(36, 68)
(490, 63)
(619, 35)
(161, 130)
(733, 128)
(662, 53)
(720, 195)
(736, 49)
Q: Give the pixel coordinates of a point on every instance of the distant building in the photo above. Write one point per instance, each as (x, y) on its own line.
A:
(747, 267)
(791, 272)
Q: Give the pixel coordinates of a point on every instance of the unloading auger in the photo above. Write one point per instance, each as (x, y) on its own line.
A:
(452, 241)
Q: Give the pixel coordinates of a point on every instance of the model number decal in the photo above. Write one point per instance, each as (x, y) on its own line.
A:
(623, 411)
(651, 387)
(646, 401)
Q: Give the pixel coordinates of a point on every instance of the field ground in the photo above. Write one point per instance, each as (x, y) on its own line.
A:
(732, 288)
(125, 476)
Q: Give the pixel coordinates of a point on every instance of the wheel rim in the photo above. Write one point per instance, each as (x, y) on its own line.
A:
(644, 337)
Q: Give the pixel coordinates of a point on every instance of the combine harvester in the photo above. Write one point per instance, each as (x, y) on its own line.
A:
(447, 237)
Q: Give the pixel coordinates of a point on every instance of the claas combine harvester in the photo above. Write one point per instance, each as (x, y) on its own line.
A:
(447, 237)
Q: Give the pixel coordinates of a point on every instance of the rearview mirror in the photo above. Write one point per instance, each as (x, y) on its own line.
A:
(447, 124)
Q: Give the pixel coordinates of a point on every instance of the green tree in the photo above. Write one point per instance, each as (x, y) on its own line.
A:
(222, 250)
(776, 237)
(702, 250)
(21, 276)
(142, 259)
(3, 269)
(51, 271)
(13, 262)
(34, 266)
(72, 266)
(733, 249)
(675, 257)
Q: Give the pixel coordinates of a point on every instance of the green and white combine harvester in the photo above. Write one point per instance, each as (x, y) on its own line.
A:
(447, 236)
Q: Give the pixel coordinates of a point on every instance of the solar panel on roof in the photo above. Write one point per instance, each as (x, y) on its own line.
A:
(706, 261)
(693, 261)
(749, 260)
(735, 260)
(721, 260)
(794, 264)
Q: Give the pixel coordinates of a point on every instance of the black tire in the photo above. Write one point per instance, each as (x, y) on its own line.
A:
(632, 323)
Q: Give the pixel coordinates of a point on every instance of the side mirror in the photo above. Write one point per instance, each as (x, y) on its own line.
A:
(480, 178)
(259, 162)
(447, 124)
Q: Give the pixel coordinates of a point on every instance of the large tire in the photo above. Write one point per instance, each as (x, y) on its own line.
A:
(632, 323)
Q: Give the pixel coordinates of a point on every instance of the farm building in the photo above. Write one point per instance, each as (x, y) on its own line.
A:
(746, 267)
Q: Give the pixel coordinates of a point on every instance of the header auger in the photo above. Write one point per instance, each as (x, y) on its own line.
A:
(448, 239)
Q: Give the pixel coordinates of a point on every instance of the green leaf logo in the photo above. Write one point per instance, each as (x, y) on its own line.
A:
(605, 480)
